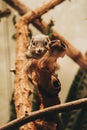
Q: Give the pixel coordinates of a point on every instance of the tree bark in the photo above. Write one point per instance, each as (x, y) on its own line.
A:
(22, 90)
(72, 52)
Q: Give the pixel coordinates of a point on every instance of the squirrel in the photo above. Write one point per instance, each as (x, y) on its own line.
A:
(37, 47)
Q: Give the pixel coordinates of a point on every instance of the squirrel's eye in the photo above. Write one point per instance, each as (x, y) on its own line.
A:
(33, 43)
(45, 43)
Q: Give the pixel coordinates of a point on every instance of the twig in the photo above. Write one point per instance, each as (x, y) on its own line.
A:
(13, 70)
(41, 113)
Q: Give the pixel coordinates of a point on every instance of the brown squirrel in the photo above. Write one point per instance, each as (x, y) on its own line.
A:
(37, 47)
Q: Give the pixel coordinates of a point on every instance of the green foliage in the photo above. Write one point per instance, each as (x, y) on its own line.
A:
(77, 119)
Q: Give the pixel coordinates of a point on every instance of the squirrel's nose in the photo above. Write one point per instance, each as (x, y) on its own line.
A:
(39, 51)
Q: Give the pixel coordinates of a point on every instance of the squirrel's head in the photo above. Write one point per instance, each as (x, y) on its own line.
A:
(38, 46)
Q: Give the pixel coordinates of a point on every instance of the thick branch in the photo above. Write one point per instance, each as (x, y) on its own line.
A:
(5, 13)
(72, 52)
(41, 113)
(22, 90)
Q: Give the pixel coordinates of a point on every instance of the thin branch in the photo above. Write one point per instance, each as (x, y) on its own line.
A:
(41, 113)
(5, 13)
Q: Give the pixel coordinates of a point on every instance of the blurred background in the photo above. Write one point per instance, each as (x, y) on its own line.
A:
(70, 19)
